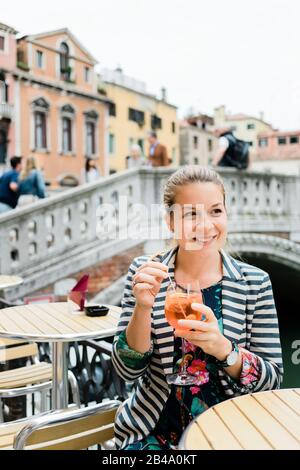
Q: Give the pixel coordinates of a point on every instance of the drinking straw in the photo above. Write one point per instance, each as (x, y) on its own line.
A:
(179, 304)
(172, 285)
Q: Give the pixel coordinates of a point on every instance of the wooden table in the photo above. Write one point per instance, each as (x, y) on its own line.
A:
(53, 322)
(9, 281)
(264, 420)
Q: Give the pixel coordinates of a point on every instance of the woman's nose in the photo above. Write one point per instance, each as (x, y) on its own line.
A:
(205, 224)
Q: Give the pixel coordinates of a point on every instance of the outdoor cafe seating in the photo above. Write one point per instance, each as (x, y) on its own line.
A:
(34, 376)
(71, 429)
(28, 367)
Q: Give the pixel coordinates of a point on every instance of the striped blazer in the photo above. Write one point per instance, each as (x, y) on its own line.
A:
(249, 318)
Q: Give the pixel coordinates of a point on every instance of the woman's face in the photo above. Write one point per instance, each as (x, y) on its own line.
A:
(199, 220)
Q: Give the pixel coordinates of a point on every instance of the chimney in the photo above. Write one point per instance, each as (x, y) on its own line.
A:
(163, 94)
(220, 116)
(262, 116)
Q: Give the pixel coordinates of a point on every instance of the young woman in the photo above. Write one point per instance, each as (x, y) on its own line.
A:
(235, 351)
(90, 173)
(31, 183)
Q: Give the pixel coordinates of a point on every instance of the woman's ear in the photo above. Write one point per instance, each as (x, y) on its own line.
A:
(169, 222)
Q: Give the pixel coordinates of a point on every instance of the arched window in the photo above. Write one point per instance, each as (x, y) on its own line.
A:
(64, 61)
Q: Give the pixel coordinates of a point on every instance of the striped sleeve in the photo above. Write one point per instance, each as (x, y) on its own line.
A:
(265, 339)
(127, 373)
(265, 347)
(130, 357)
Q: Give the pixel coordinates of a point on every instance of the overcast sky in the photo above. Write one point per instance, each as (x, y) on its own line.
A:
(245, 54)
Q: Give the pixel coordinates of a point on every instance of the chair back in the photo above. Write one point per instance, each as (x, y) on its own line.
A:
(11, 349)
(69, 430)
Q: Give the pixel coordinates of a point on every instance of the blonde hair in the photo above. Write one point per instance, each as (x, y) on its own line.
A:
(187, 175)
(31, 164)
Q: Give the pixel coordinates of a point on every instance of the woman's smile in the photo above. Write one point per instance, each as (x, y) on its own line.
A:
(205, 241)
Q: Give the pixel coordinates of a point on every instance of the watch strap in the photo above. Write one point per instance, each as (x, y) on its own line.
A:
(225, 363)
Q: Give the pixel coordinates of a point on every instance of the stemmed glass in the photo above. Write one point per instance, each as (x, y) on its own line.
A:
(178, 307)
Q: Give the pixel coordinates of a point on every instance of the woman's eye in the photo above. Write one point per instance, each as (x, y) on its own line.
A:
(217, 211)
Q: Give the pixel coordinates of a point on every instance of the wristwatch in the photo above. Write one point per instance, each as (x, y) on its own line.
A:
(231, 358)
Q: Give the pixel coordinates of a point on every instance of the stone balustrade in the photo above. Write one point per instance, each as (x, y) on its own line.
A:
(6, 111)
(79, 227)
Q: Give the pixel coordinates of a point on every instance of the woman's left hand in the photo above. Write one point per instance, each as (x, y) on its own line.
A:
(206, 334)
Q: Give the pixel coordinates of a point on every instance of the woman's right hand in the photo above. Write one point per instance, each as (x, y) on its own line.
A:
(147, 282)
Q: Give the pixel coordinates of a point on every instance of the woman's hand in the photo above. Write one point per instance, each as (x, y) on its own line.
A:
(147, 282)
(207, 334)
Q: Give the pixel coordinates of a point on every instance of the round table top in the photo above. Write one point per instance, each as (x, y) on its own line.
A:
(53, 322)
(9, 281)
(263, 420)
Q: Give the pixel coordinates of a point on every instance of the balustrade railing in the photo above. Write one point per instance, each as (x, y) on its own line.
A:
(58, 233)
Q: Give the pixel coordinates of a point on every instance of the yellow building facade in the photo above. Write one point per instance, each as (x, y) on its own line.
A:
(244, 127)
(134, 113)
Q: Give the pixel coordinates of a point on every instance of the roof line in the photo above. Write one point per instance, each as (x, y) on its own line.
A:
(66, 31)
(148, 95)
(235, 118)
(278, 133)
(6, 27)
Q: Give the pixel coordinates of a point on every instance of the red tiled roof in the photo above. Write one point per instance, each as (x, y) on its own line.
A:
(263, 135)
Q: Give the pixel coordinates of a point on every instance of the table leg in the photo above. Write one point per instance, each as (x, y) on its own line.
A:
(60, 397)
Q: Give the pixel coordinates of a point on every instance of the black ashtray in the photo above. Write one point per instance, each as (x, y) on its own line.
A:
(96, 310)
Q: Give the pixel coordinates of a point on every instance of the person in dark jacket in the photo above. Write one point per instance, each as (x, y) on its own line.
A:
(9, 186)
(232, 152)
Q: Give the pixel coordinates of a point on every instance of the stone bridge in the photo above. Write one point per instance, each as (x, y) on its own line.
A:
(73, 230)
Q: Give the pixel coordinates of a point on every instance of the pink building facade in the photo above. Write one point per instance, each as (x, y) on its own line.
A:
(8, 61)
(279, 145)
(58, 114)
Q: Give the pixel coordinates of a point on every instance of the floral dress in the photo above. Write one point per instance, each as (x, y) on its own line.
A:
(187, 402)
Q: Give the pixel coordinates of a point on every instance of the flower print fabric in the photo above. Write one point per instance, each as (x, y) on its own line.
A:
(185, 403)
(251, 368)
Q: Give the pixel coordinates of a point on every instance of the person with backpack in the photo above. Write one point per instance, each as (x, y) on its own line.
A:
(232, 152)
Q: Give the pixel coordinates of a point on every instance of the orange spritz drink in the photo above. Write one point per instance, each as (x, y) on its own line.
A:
(178, 306)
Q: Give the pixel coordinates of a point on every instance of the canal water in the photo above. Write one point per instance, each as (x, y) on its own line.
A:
(286, 288)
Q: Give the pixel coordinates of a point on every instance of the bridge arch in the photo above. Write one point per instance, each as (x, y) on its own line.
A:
(278, 249)
(280, 258)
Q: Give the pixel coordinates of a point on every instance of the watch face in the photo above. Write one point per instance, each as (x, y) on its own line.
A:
(232, 358)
